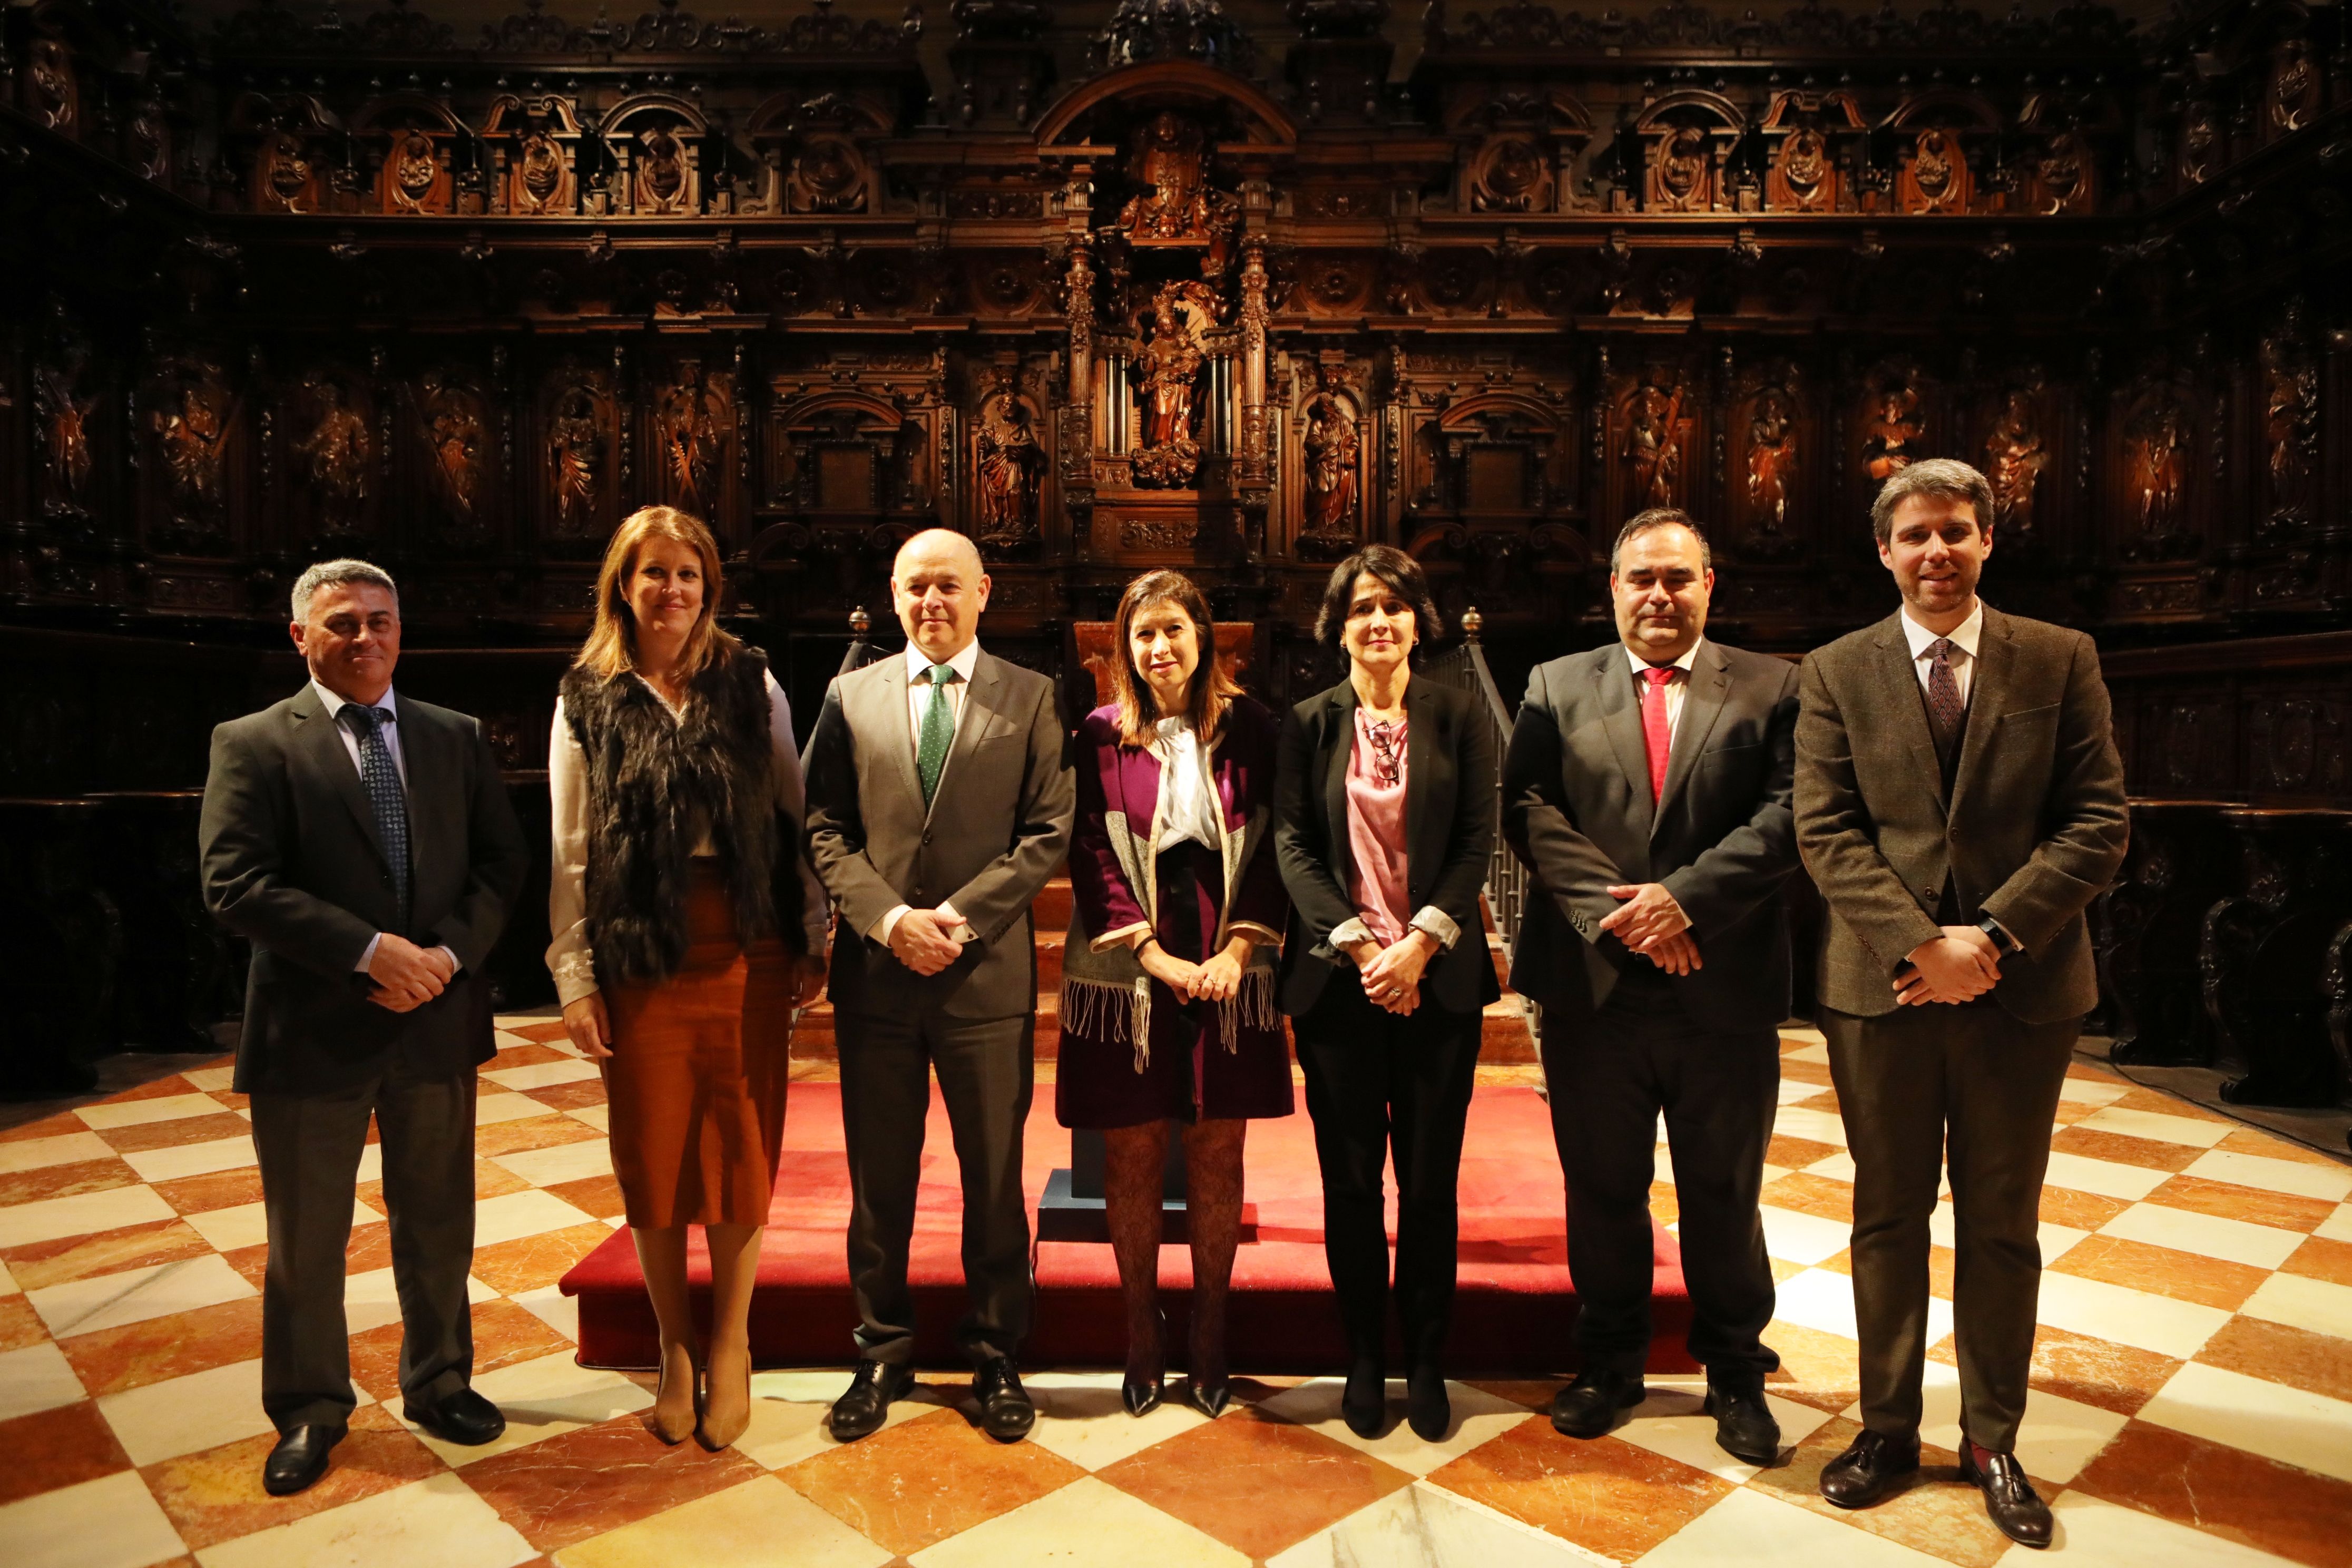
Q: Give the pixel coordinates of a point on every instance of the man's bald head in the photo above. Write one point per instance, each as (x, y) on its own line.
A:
(939, 588)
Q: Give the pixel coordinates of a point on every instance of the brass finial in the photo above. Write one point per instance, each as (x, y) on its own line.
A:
(860, 623)
(1472, 622)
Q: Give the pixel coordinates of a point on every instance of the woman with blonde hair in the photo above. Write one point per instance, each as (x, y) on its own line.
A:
(1168, 996)
(687, 927)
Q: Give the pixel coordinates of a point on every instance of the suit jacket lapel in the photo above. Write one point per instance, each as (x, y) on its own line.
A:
(1620, 715)
(1709, 683)
(426, 766)
(317, 740)
(1340, 737)
(1898, 679)
(1987, 689)
(979, 705)
(1424, 845)
(888, 720)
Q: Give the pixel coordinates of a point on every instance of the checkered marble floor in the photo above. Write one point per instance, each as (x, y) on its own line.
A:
(2192, 1389)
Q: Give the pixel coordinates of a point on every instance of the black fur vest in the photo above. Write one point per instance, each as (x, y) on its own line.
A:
(651, 782)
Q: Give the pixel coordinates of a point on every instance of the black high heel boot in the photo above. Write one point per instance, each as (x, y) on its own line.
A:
(1142, 1395)
(1363, 1403)
(1427, 1408)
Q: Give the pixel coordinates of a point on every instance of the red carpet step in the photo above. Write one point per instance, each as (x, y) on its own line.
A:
(1514, 1313)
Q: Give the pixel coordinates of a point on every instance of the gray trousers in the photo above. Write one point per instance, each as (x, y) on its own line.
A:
(1971, 1088)
(310, 1147)
(986, 1072)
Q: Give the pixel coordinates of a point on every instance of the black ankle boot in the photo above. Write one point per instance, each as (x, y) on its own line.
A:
(1363, 1403)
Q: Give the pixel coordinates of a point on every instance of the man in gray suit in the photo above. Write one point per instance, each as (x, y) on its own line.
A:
(1959, 801)
(940, 798)
(364, 845)
(1647, 790)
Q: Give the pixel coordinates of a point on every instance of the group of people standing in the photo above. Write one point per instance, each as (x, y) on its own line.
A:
(1947, 776)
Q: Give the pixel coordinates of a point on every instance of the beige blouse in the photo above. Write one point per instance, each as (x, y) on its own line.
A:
(568, 957)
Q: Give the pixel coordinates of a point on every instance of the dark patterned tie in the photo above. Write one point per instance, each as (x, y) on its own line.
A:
(384, 794)
(939, 729)
(1944, 704)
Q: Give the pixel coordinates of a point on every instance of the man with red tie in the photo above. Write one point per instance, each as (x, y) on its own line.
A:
(1647, 789)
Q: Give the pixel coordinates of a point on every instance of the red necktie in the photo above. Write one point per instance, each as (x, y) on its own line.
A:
(1657, 735)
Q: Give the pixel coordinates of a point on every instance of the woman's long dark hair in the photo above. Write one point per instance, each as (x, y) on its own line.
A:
(1213, 689)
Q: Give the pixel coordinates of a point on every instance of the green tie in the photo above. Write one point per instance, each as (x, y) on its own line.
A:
(939, 729)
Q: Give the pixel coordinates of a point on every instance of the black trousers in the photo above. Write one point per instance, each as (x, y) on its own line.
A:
(310, 1147)
(1609, 1078)
(986, 1074)
(1376, 1084)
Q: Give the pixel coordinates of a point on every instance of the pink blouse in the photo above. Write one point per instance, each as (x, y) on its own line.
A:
(1376, 785)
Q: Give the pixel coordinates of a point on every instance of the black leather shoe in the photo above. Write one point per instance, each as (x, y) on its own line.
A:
(1744, 1428)
(299, 1460)
(1869, 1468)
(1596, 1401)
(1210, 1398)
(1142, 1395)
(2011, 1502)
(463, 1417)
(1363, 1403)
(1427, 1409)
(866, 1403)
(1006, 1413)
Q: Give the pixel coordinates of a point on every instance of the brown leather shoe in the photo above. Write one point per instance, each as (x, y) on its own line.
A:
(1869, 1468)
(2011, 1502)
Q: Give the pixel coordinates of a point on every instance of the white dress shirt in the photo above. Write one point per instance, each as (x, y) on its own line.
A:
(1676, 689)
(918, 701)
(1964, 637)
(390, 730)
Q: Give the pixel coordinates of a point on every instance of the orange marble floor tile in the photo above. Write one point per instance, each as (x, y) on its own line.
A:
(1259, 1484)
(2225, 1491)
(527, 1055)
(214, 1190)
(598, 1196)
(922, 1482)
(2088, 1371)
(19, 1324)
(2227, 1200)
(253, 1262)
(1665, 1207)
(1534, 1392)
(2078, 1210)
(370, 1249)
(2278, 1352)
(1825, 1101)
(1807, 1194)
(63, 1124)
(106, 1252)
(504, 1334)
(577, 1095)
(2162, 1270)
(2122, 1149)
(136, 1354)
(1804, 1073)
(231, 1099)
(1941, 1261)
(491, 1180)
(1605, 1495)
(577, 1484)
(530, 1133)
(65, 1181)
(528, 1262)
(164, 1087)
(216, 1496)
(52, 1448)
(1816, 1368)
(179, 1131)
(2249, 1140)
(1794, 1153)
(1783, 1270)
(2320, 1258)
(2163, 1104)
(1934, 1513)
(551, 1029)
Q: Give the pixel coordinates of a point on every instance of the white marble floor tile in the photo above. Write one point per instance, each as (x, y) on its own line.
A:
(1824, 1299)
(1816, 1126)
(562, 1162)
(40, 1154)
(2129, 1317)
(541, 1398)
(433, 1523)
(1818, 1052)
(35, 1378)
(2337, 1227)
(1672, 1422)
(111, 1523)
(84, 1214)
(188, 1414)
(2300, 1302)
(2089, 1091)
(135, 1294)
(370, 1165)
(2095, 1534)
(370, 1299)
(7, 1281)
(787, 1412)
(1793, 1089)
(1752, 1530)
(1086, 1524)
(2207, 1236)
(2189, 1130)
(2273, 1175)
(2057, 1240)
(745, 1526)
(550, 1306)
(1426, 1526)
(169, 1165)
(490, 1108)
(515, 1215)
(600, 1117)
(211, 1080)
(1478, 1417)
(248, 1225)
(539, 1074)
(1837, 1167)
(2105, 1177)
(2278, 1422)
(138, 1112)
(2057, 1438)
(1079, 1417)
(1798, 1237)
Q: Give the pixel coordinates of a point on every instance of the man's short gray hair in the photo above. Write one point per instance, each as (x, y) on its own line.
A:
(327, 573)
(1946, 479)
(1650, 522)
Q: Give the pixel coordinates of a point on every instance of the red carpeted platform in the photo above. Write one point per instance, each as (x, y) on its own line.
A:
(1513, 1316)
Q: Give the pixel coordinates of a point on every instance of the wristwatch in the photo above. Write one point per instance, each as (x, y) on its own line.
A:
(2003, 942)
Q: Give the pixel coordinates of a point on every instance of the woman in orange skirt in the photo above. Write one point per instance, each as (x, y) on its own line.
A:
(686, 928)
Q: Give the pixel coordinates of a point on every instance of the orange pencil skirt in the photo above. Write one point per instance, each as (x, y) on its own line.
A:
(700, 1063)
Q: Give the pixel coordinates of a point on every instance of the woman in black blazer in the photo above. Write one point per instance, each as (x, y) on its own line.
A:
(1384, 815)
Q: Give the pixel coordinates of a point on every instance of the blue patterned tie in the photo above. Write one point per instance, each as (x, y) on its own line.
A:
(384, 794)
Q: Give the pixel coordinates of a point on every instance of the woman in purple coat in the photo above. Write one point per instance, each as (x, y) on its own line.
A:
(1168, 1006)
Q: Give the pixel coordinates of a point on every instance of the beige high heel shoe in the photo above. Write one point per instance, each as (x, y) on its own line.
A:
(668, 1424)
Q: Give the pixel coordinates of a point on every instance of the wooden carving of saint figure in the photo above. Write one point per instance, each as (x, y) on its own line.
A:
(577, 461)
(456, 437)
(1771, 460)
(1330, 449)
(1893, 425)
(1008, 462)
(2014, 458)
(64, 433)
(336, 453)
(1170, 367)
(1654, 448)
(189, 436)
(2159, 458)
(693, 416)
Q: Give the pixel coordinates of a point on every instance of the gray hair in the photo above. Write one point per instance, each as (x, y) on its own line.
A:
(1946, 478)
(1650, 522)
(327, 573)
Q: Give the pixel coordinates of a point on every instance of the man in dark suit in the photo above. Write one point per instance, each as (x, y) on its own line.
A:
(1960, 801)
(364, 845)
(940, 798)
(1647, 790)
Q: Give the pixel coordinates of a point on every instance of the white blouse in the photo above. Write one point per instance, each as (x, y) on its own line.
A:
(1192, 809)
(568, 957)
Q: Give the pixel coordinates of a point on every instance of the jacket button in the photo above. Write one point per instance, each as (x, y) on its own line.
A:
(926, 838)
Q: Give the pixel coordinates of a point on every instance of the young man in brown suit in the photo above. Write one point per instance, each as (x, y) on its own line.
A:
(1960, 801)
